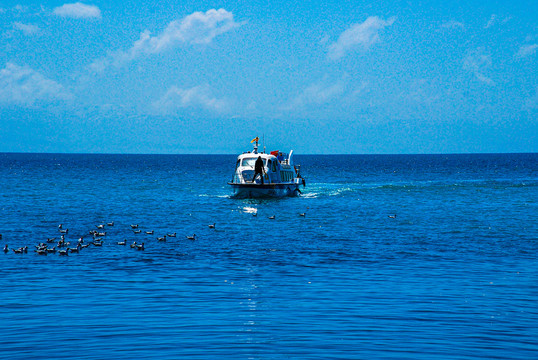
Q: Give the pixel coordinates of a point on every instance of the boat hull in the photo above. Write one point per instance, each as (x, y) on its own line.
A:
(250, 191)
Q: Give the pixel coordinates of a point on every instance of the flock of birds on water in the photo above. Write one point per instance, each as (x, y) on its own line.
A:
(64, 247)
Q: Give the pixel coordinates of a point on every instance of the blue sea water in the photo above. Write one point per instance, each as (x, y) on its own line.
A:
(398, 257)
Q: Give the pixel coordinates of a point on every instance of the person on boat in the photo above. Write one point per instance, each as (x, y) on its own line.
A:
(258, 169)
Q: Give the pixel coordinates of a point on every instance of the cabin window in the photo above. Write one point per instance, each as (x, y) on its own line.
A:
(273, 166)
(251, 161)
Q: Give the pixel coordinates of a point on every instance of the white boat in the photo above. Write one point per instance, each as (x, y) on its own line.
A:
(281, 177)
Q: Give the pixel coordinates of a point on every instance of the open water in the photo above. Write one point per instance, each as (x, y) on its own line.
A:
(397, 257)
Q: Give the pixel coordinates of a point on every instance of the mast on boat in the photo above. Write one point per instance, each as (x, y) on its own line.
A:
(256, 139)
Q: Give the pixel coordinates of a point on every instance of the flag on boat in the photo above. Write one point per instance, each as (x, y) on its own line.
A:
(255, 139)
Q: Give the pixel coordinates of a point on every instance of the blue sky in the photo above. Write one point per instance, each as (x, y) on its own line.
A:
(318, 77)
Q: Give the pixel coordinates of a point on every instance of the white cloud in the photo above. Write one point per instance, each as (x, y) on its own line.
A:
(422, 91)
(22, 85)
(494, 20)
(452, 24)
(320, 94)
(317, 94)
(196, 28)
(478, 62)
(196, 97)
(362, 35)
(27, 29)
(532, 101)
(527, 50)
(483, 78)
(78, 11)
(20, 8)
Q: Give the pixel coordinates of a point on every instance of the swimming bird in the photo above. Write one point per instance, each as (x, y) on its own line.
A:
(193, 237)
(6, 249)
(49, 251)
(101, 226)
(392, 216)
(18, 251)
(302, 214)
(149, 232)
(140, 247)
(133, 245)
(134, 226)
(124, 242)
(211, 226)
(64, 252)
(171, 235)
(41, 252)
(51, 240)
(74, 250)
(161, 238)
(137, 231)
(110, 223)
(272, 217)
(100, 234)
(41, 246)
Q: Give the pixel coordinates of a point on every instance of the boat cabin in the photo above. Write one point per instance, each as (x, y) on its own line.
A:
(277, 165)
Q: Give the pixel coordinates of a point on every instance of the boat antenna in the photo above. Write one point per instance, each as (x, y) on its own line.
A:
(263, 140)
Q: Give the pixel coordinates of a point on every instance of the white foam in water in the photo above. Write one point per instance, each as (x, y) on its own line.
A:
(250, 210)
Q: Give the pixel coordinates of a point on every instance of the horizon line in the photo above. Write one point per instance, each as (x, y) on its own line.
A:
(235, 154)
